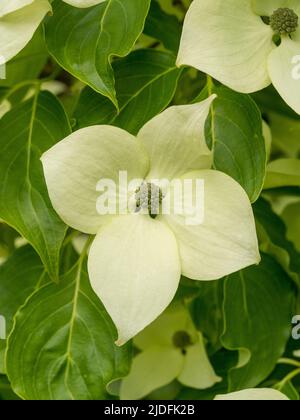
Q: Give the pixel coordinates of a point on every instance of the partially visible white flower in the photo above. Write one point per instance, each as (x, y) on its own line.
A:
(19, 19)
(54, 86)
(5, 106)
(257, 394)
(230, 41)
(83, 3)
(296, 353)
(171, 348)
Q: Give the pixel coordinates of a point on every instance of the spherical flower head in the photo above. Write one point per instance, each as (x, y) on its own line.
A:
(149, 196)
(284, 21)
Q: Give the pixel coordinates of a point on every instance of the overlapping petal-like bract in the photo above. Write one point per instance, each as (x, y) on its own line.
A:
(135, 261)
(230, 41)
(160, 362)
(83, 3)
(257, 394)
(19, 19)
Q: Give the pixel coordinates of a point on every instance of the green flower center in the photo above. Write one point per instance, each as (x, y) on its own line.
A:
(182, 340)
(149, 196)
(284, 21)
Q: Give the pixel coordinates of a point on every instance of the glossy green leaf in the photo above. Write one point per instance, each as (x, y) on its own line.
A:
(62, 345)
(26, 132)
(272, 233)
(289, 390)
(83, 41)
(234, 129)
(283, 173)
(20, 275)
(291, 217)
(146, 81)
(258, 309)
(6, 393)
(164, 27)
(207, 311)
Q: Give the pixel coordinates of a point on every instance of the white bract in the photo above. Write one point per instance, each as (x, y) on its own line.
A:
(19, 20)
(231, 42)
(171, 348)
(257, 394)
(5, 106)
(136, 261)
(83, 3)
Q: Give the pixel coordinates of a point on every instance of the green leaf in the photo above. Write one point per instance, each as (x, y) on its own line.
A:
(28, 64)
(272, 233)
(20, 275)
(258, 307)
(269, 100)
(6, 393)
(291, 217)
(283, 173)
(234, 128)
(289, 390)
(83, 41)
(164, 27)
(145, 81)
(62, 345)
(26, 132)
(7, 241)
(285, 135)
(207, 311)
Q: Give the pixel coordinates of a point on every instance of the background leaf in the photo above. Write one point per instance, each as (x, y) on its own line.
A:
(163, 27)
(62, 346)
(145, 81)
(272, 233)
(26, 132)
(258, 310)
(234, 127)
(20, 275)
(83, 41)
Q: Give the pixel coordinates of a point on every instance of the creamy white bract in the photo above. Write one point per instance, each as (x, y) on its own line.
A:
(257, 394)
(230, 41)
(135, 262)
(19, 19)
(83, 3)
(171, 348)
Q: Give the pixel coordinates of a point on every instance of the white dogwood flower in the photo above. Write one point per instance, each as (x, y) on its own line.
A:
(19, 19)
(171, 348)
(257, 394)
(136, 260)
(246, 44)
(83, 3)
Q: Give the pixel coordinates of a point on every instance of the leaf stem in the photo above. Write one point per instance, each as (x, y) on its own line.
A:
(290, 362)
(210, 84)
(288, 378)
(85, 249)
